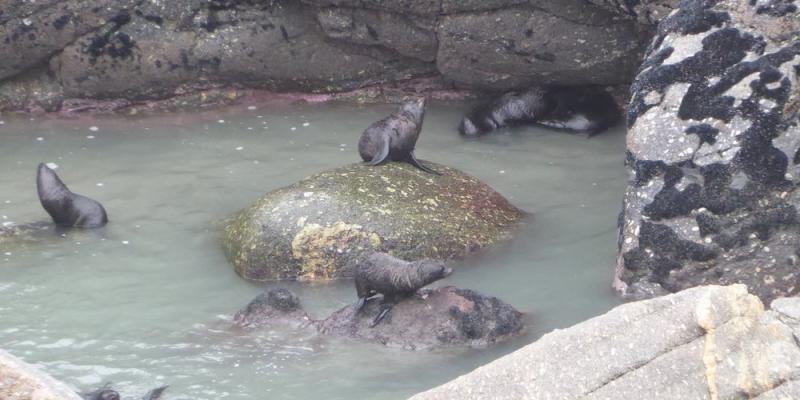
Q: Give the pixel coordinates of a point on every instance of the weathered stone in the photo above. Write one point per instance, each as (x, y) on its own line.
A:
(419, 7)
(432, 318)
(712, 154)
(31, 39)
(35, 91)
(409, 37)
(703, 343)
(319, 227)
(644, 11)
(517, 47)
(22, 381)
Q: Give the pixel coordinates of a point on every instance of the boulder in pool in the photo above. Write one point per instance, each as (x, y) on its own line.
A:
(320, 227)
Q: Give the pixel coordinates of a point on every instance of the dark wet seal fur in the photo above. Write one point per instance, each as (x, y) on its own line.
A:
(577, 109)
(105, 393)
(66, 208)
(394, 278)
(395, 137)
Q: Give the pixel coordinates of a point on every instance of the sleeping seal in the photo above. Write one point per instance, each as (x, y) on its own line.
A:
(578, 109)
(394, 137)
(394, 278)
(66, 208)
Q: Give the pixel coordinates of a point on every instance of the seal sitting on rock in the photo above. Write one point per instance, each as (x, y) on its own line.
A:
(579, 109)
(394, 137)
(394, 278)
(66, 208)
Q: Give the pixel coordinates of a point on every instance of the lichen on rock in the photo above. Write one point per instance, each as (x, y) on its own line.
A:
(320, 227)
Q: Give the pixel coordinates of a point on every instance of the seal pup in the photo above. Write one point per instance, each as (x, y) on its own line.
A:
(66, 208)
(394, 137)
(577, 109)
(394, 278)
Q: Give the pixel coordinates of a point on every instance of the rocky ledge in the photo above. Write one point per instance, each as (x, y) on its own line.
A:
(70, 54)
(708, 342)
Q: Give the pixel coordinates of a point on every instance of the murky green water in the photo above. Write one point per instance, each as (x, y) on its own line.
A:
(147, 300)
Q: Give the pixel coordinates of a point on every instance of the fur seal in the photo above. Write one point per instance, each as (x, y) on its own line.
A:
(66, 208)
(394, 137)
(394, 278)
(578, 109)
(105, 393)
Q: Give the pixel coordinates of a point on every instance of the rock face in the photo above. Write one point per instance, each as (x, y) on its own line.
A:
(703, 343)
(433, 318)
(318, 228)
(22, 381)
(134, 51)
(713, 154)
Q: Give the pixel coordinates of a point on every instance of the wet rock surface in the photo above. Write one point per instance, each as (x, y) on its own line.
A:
(136, 51)
(322, 226)
(432, 318)
(22, 381)
(712, 154)
(706, 342)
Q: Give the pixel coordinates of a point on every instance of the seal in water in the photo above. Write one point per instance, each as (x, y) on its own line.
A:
(394, 278)
(394, 137)
(578, 109)
(105, 393)
(66, 208)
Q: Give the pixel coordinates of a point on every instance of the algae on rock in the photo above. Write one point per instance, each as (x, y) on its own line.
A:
(318, 228)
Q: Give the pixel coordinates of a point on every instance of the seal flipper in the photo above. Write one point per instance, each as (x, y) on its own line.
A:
(155, 393)
(383, 155)
(385, 308)
(360, 304)
(413, 161)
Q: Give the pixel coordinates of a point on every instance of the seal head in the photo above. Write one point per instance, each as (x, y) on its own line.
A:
(66, 208)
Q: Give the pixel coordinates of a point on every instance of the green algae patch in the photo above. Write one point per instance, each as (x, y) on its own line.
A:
(320, 227)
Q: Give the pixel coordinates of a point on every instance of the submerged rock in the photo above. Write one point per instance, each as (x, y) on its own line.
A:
(707, 342)
(713, 152)
(320, 227)
(22, 381)
(432, 318)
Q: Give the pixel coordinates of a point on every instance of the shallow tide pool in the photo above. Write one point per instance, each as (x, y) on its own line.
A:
(147, 300)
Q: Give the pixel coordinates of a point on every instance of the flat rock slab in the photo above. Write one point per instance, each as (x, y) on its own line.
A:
(320, 227)
(22, 381)
(709, 342)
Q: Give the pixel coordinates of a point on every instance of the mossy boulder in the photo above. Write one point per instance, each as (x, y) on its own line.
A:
(320, 227)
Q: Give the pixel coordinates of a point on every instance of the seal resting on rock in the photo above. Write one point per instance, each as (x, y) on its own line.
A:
(394, 278)
(66, 208)
(394, 137)
(578, 109)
